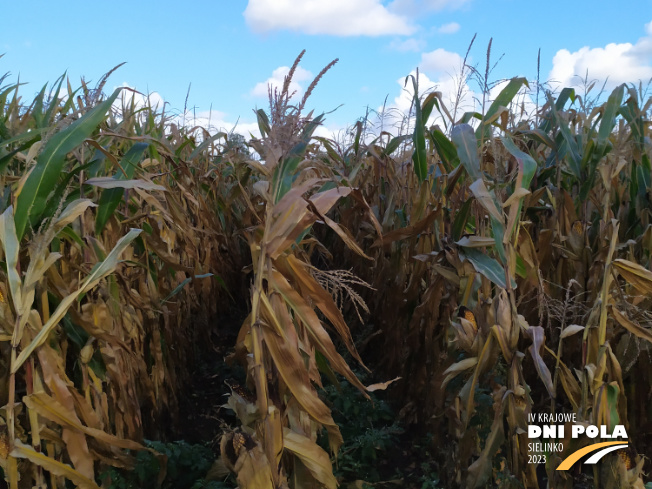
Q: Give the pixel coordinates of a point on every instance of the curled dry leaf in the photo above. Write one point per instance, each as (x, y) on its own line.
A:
(110, 182)
(537, 335)
(381, 386)
(635, 274)
(313, 457)
(571, 330)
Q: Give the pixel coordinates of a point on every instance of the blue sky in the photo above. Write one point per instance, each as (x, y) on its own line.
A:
(229, 50)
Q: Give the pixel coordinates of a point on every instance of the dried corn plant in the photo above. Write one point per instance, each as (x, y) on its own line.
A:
(511, 274)
(284, 333)
(528, 228)
(91, 308)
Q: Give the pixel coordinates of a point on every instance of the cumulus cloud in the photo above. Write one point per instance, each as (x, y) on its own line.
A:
(215, 121)
(457, 97)
(440, 72)
(406, 45)
(441, 62)
(394, 117)
(523, 106)
(619, 63)
(450, 28)
(278, 78)
(334, 17)
(139, 99)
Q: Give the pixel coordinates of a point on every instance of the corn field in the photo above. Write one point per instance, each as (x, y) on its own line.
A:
(472, 271)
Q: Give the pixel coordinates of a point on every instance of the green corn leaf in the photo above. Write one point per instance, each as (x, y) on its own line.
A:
(564, 96)
(488, 267)
(37, 107)
(394, 143)
(43, 178)
(263, 122)
(571, 143)
(419, 154)
(429, 103)
(185, 282)
(525, 162)
(467, 149)
(49, 113)
(461, 218)
(445, 149)
(205, 144)
(110, 198)
(503, 99)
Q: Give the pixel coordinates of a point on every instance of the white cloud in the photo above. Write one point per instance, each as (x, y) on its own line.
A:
(278, 78)
(441, 62)
(450, 28)
(395, 114)
(216, 121)
(455, 95)
(213, 121)
(620, 63)
(410, 44)
(523, 106)
(440, 72)
(139, 99)
(334, 17)
(330, 131)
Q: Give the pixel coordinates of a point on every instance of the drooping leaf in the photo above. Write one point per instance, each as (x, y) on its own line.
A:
(488, 267)
(635, 274)
(99, 271)
(55, 467)
(445, 148)
(43, 178)
(467, 149)
(459, 224)
(313, 457)
(480, 470)
(502, 101)
(11, 248)
(537, 335)
(111, 183)
(486, 199)
(631, 326)
(110, 199)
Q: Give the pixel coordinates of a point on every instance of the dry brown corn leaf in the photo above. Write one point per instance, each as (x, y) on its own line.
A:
(381, 386)
(634, 328)
(485, 199)
(408, 231)
(313, 457)
(537, 335)
(51, 409)
(21, 450)
(635, 274)
(318, 334)
(291, 367)
(457, 368)
(101, 270)
(324, 301)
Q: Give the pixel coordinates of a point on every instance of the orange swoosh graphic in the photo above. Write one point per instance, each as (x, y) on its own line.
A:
(575, 456)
